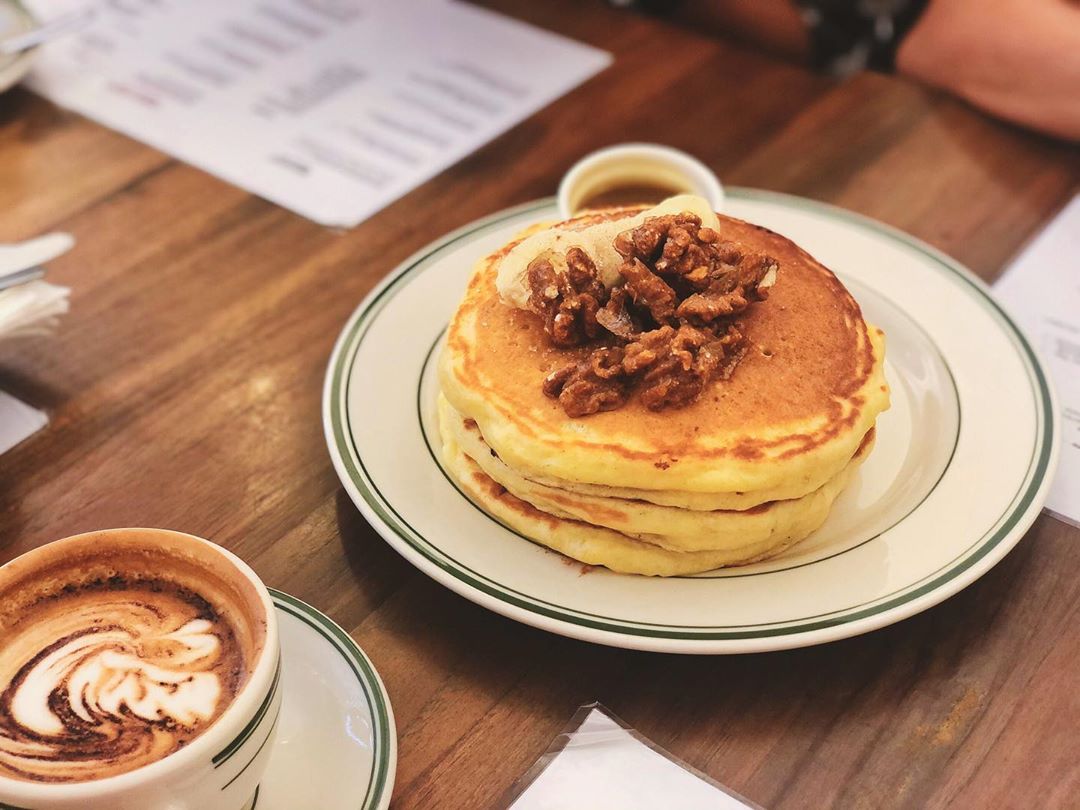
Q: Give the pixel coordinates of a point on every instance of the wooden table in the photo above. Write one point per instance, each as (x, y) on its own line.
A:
(184, 390)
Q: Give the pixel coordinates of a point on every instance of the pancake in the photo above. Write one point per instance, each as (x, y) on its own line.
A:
(777, 523)
(581, 541)
(705, 501)
(790, 418)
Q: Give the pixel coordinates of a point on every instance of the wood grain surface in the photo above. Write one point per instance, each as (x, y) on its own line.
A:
(184, 391)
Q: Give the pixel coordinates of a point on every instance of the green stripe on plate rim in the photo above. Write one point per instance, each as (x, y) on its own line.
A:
(226, 753)
(360, 323)
(362, 669)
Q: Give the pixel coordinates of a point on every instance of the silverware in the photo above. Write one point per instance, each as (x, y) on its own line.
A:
(64, 24)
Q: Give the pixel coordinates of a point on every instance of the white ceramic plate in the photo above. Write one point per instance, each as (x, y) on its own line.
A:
(961, 468)
(337, 747)
(14, 19)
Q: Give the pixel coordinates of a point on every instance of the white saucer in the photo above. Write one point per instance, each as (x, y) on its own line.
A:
(14, 19)
(337, 745)
(962, 465)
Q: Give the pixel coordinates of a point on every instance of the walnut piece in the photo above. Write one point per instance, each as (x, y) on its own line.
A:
(569, 302)
(596, 384)
(648, 290)
(616, 317)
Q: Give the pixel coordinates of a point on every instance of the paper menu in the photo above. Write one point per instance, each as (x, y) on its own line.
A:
(331, 108)
(1041, 288)
(604, 765)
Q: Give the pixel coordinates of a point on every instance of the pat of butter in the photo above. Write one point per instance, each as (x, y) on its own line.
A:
(597, 241)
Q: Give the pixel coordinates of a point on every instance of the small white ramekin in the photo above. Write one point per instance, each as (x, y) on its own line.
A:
(636, 164)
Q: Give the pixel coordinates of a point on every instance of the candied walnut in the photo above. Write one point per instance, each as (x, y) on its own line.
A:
(646, 241)
(596, 384)
(569, 302)
(615, 316)
(583, 396)
(680, 248)
(554, 382)
(675, 365)
(573, 321)
(671, 387)
(649, 290)
(710, 305)
(581, 270)
(730, 292)
(543, 284)
(734, 346)
(698, 259)
(646, 349)
(749, 274)
(678, 377)
(607, 363)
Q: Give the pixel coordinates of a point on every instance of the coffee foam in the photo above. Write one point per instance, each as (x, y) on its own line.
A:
(114, 656)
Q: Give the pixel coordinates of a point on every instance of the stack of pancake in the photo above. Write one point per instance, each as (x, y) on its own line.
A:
(749, 468)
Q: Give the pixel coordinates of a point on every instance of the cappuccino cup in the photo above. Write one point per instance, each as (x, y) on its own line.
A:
(139, 670)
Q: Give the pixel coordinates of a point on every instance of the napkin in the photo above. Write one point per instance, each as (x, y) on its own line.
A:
(31, 309)
(18, 421)
(606, 766)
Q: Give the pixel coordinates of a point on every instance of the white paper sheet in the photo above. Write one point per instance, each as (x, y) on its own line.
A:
(18, 421)
(604, 767)
(1042, 289)
(331, 108)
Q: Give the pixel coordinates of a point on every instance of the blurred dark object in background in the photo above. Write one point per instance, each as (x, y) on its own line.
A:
(1016, 59)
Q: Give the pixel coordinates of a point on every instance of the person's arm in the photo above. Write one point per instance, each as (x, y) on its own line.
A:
(1017, 59)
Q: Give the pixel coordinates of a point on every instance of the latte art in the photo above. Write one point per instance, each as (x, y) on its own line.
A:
(97, 675)
(136, 671)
